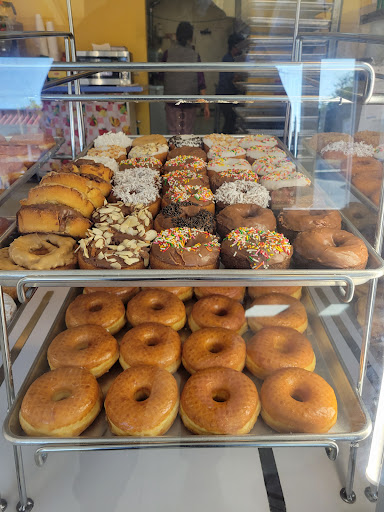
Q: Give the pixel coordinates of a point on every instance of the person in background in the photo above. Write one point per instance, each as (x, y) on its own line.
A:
(226, 84)
(181, 118)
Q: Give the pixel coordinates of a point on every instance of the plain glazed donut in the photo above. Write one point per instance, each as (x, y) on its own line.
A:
(362, 166)
(258, 291)
(294, 314)
(218, 311)
(296, 400)
(273, 348)
(87, 346)
(60, 403)
(98, 308)
(219, 401)
(151, 344)
(142, 401)
(233, 292)
(156, 306)
(123, 293)
(367, 184)
(183, 293)
(213, 347)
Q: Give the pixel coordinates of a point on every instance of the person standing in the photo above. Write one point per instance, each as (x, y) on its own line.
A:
(181, 118)
(226, 84)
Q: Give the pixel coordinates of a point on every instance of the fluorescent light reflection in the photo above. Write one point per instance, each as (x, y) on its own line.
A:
(334, 310)
(265, 310)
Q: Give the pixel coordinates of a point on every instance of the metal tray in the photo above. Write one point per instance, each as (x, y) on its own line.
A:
(34, 169)
(353, 422)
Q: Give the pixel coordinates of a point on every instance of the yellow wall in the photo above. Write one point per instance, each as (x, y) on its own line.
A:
(118, 22)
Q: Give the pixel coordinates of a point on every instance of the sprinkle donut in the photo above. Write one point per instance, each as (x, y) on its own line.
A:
(258, 139)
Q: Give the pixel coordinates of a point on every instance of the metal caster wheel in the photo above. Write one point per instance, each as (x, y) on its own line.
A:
(344, 497)
(370, 494)
(27, 508)
(3, 504)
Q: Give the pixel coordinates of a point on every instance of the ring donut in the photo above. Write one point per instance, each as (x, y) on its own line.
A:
(218, 311)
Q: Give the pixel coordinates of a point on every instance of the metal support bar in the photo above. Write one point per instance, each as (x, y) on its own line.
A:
(70, 78)
(12, 35)
(70, 104)
(347, 494)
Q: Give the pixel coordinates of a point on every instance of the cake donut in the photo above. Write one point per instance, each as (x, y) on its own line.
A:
(226, 152)
(244, 215)
(78, 181)
(61, 403)
(160, 306)
(183, 162)
(87, 346)
(251, 248)
(142, 401)
(185, 248)
(367, 184)
(292, 222)
(296, 400)
(179, 141)
(293, 316)
(256, 152)
(43, 252)
(151, 344)
(218, 311)
(357, 166)
(241, 192)
(94, 181)
(102, 166)
(199, 196)
(218, 178)
(330, 248)
(258, 139)
(219, 401)
(123, 293)
(233, 292)
(149, 162)
(99, 308)
(222, 164)
(183, 293)
(360, 215)
(258, 291)
(213, 347)
(185, 214)
(273, 348)
(279, 179)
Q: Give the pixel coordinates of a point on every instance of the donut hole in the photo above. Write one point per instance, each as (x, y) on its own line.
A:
(215, 347)
(60, 395)
(141, 394)
(95, 307)
(156, 306)
(221, 312)
(82, 345)
(299, 395)
(220, 395)
(152, 342)
(41, 251)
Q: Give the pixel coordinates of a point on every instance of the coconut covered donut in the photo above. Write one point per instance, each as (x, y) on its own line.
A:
(241, 192)
(218, 178)
(179, 141)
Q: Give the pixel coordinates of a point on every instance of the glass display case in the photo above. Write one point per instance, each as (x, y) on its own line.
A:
(236, 278)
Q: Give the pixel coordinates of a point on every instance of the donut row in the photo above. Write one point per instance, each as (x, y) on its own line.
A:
(217, 399)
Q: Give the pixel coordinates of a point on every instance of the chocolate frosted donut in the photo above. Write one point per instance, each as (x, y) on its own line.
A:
(292, 222)
(185, 214)
(230, 175)
(329, 248)
(187, 151)
(255, 249)
(244, 215)
(180, 141)
(198, 195)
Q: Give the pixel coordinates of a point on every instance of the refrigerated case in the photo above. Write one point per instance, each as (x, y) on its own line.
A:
(262, 470)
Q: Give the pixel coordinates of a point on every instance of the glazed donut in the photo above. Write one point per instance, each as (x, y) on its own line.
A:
(104, 186)
(251, 248)
(375, 197)
(218, 311)
(52, 218)
(362, 165)
(329, 248)
(367, 184)
(157, 306)
(219, 401)
(185, 214)
(296, 400)
(142, 401)
(292, 222)
(77, 181)
(237, 216)
(186, 248)
(151, 344)
(86, 346)
(6, 263)
(123, 293)
(61, 403)
(183, 293)
(273, 348)
(43, 252)
(60, 194)
(294, 314)
(197, 195)
(233, 292)
(99, 308)
(213, 347)
(258, 291)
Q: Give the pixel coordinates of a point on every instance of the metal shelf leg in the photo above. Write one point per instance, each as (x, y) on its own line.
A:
(25, 503)
(347, 494)
(3, 504)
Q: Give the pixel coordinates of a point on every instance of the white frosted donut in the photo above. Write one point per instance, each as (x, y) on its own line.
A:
(259, 139)
(267, 165)
(276, 180)
(222, 164)
(226, 152)
(379, 152)
(256, 152)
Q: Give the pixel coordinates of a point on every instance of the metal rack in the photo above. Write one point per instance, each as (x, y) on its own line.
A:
(29, 280)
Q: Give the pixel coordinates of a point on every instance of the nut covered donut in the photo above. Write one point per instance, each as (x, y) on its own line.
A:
(98, 308)
(237, 216)
(151, 344)
(293, 315)
(60, 403)
(159, 306)
(218, 311)
(233, 292)
(142, 401)
(219, 401)
(213, 347)
(87, 346)
(273, 348)
(296, 400)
